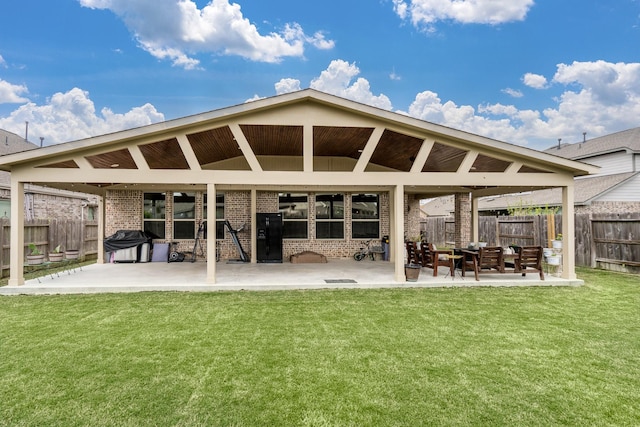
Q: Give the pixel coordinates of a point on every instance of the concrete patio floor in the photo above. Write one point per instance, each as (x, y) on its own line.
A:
(191, 277)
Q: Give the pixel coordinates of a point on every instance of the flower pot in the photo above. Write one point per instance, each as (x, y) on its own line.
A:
(56, 256)
(482, 244)
(547, 252)
(35, 259)
(553, 260)
(557, 244)
(412, 272)
(71, 254)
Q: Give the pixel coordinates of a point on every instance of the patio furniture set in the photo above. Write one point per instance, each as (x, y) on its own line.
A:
(488, 259)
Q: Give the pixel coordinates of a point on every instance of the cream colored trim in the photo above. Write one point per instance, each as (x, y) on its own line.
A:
(513, 168)
(101, 228)
(368, 150)
(254, 225)
(16, 257)
(136, 154)
(475, 220)
(568, 233)
(82, 162)
(423, 154)
(211, 233)
(468, 161)
(398, 225)
(307, 148)
(245, 147)
(185, 146)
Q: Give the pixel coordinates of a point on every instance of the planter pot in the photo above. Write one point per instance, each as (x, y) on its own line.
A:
(482, 244)
(412, 272)
(35, 259)
(557, 244)
(547, 252)
(553, 260)
(71, 254)
(56, 256)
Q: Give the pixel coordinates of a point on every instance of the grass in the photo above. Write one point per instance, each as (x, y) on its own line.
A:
(469, 356)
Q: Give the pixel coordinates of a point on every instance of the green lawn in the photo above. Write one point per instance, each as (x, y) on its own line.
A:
(398, 357)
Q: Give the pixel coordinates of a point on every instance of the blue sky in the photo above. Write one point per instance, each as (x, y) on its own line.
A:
(522, 71)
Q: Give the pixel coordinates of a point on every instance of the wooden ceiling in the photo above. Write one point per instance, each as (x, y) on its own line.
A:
(217, 148)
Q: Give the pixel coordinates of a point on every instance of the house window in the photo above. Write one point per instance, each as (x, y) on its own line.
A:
(365, 216)
(219, 215)
(330, 216)
(154, 215)
(294, 208)
(184, 215)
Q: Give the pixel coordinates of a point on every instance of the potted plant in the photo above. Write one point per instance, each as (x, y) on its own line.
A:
(482, 243)
(553, 259)
(557, 243)
(71, 253)
(35, 257)
(56, 255)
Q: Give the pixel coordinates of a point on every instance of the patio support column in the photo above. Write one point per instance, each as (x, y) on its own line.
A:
(16, 255)
(462, 217)
(398, 227)
(475, 221)
(101, 215)
(568, 233)
(211, 233)
(254, 225)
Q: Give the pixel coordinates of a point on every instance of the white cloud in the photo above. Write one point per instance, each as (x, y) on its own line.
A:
(535, 81)
(428, 12)
(177, 30)
(12, 94)
(599, 98)
(287, 86)
(3, 63)
(72, 115)
(513, 92)
(337, 79)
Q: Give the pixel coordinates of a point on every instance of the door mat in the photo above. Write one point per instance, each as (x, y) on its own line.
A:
(340, 281)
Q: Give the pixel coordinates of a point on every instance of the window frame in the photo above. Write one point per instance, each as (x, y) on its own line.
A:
(333, 218)
(162, 215)
(371, 220)
(287, 219)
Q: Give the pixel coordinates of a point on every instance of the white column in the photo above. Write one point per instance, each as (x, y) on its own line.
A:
(211, 233)
(254, 208)
(398, 226)
(16, 255)
(101, 219)
(568, 233)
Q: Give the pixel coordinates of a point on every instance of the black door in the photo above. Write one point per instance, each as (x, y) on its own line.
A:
(269, 237)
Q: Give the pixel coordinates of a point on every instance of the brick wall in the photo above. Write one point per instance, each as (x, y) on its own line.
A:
(124, 211)
(609, 207)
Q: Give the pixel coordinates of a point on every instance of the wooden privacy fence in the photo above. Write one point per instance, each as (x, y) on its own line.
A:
(609, 241)
(47, 234)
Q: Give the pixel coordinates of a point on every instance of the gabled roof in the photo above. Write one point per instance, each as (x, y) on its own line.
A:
(307, 139)
(628, 140)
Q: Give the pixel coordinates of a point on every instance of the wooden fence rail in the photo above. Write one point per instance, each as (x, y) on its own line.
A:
(609, 241)
(46, 235)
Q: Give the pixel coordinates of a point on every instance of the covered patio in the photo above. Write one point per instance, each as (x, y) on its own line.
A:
(305, 141)
(192, 277)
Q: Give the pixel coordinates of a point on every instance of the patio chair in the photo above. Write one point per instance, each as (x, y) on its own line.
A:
(485, 260)
(529, 260)
(432, 258)
(413, 254)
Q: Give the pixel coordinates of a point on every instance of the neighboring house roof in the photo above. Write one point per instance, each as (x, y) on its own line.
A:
(586, 191)
(12, 143)
(628, 140)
